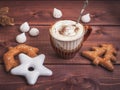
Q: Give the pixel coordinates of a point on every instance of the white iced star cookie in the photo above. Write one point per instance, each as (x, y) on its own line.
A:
(31, 68)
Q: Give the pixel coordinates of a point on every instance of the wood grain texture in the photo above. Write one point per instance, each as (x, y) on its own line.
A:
(99, 34)
(66, 77)
(40, 12)
(77, 73)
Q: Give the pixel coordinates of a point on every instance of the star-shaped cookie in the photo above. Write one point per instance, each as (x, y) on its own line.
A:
(31, 68)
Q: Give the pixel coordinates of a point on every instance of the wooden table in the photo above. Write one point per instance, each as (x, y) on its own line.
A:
(75, 74)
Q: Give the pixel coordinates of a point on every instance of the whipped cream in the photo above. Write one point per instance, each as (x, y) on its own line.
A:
(67, 30)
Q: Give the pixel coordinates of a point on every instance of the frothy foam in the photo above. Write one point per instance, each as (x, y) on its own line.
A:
(67, 30)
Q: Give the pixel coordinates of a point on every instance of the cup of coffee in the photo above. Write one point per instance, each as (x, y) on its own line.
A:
(67, 37)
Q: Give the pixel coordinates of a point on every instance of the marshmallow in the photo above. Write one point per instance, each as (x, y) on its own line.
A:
(86, 18)
(24, 27)
(31, 68)
(57, 13)
(34, 32)
(21, 38)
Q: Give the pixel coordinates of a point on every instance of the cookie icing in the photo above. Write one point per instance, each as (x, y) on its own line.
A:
(31, 68)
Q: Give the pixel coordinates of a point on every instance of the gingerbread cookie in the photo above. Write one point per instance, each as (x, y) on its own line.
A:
(31, 68)
(4, 18)
(9, 59)
(102, 55)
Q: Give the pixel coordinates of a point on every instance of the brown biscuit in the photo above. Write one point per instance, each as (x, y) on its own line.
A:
(9, 57)
(4, 18)
(102, 55)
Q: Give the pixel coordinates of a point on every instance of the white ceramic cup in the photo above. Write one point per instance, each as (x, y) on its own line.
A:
(67, 43)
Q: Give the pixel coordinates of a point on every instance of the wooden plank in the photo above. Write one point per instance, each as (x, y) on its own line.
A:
(66, 77)
(74, 74)
(100, 34)
(40, 12)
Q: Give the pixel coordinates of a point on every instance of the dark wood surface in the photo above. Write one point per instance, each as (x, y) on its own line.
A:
(75, 74)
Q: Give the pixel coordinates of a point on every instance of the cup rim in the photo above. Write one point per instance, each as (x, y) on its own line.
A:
(81, 35)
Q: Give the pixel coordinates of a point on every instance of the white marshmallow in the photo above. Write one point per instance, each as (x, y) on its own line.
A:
(34, 32)
(86, 18)
(24, 27)
(21, 38)
(31, 68)
(57, 13)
